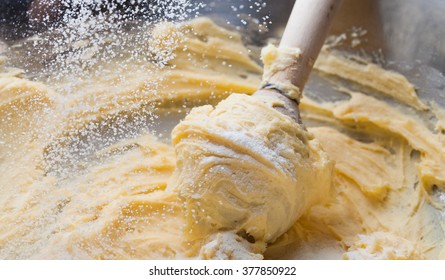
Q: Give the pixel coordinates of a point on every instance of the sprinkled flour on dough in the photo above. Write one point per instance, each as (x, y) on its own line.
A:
(87, 170)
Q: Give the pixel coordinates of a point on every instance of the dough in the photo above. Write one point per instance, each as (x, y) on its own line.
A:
(245, 167)
(276, 60)
(77, 183)
(382, 246)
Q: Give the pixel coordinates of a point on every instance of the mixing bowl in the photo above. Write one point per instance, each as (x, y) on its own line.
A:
(402, 35)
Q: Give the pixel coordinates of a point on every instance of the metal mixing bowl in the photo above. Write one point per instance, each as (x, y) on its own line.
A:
(403, 35)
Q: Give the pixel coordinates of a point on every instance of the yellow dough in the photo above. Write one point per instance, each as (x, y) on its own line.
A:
(243, 166)
(240, 180)
(382, 246)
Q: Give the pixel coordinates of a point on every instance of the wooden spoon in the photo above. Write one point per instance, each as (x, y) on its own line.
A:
(306, 30)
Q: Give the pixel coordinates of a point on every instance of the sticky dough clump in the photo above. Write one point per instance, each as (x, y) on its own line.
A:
(382, 246)
(245, 167)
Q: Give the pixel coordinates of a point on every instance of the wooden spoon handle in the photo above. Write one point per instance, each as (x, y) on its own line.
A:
(306, 29)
